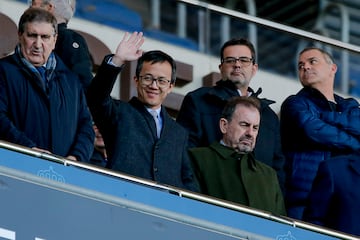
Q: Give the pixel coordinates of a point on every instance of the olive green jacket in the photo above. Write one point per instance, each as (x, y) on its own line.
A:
(226, 174)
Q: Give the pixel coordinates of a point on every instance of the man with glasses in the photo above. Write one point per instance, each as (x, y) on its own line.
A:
(201, 109)
(42, 104)
(141, 139)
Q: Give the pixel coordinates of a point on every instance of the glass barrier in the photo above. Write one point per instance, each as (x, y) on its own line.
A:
(46, 197)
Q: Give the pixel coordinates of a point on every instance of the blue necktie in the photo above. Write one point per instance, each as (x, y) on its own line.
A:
(157, 122)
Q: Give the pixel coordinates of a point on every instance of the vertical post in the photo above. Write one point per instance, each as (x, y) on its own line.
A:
(155, 14)
(181, 20)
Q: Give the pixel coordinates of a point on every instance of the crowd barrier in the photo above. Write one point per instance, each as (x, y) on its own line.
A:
(48, 197)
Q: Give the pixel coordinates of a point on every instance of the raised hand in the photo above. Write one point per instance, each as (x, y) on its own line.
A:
(129, 48)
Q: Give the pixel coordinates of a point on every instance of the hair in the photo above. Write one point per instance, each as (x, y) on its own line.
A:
(156, 56)
(64, 9)
(36, 15)
(239, 41)
(328, 57)
(233, 102)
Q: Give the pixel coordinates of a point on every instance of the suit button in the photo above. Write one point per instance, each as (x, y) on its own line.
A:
(155, 169)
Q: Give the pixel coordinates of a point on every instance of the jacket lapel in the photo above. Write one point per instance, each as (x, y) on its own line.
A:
(139, 106)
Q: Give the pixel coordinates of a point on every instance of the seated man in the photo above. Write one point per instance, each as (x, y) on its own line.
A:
(201, 109)
(334, 198)
(228, 170)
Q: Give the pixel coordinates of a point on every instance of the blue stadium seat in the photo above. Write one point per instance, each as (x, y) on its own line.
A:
(113, 14)
(171, 38)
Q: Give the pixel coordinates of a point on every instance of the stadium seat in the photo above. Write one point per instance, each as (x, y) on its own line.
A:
(172, 39)
(113, 14)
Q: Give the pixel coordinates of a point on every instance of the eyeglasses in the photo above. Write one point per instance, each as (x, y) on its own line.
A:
(244, 61)
(148, 79)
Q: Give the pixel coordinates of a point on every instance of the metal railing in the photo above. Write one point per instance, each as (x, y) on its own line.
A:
(253, 23)
(273, 25)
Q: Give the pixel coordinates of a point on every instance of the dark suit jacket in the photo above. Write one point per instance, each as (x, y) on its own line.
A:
(129, 132)
(334, 200)
(72, 48)
(225, 174)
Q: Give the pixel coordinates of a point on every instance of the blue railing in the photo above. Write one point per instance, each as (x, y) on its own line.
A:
(48, 197)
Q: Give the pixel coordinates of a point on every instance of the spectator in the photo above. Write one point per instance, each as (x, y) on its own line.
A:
(333, 201)
(228, 170)
(70, 46)
(201, 109)
(42, 104)
(129, 130)
(316, 124)
(99, 156)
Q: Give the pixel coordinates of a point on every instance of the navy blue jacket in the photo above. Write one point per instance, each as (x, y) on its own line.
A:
(313, 130)
(129, 133)
(335, 196)
(201, 111)
(57, 120)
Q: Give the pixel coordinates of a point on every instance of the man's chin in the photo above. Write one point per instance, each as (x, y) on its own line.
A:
(36, 62)
(244, 150)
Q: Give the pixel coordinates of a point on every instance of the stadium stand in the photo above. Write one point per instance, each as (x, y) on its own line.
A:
(117, 15)
(171, 38)
(110, 13)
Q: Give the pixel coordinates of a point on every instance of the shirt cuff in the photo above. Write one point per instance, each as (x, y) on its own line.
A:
(109, 61)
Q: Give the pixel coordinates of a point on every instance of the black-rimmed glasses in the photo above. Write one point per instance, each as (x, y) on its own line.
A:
(244, 61)
(148, 79)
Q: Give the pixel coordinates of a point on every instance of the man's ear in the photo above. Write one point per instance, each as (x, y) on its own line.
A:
(136, 80)
(223, 124)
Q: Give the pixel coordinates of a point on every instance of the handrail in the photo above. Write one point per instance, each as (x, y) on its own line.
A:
(274, 25)
(174, 190)
(226, 29)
